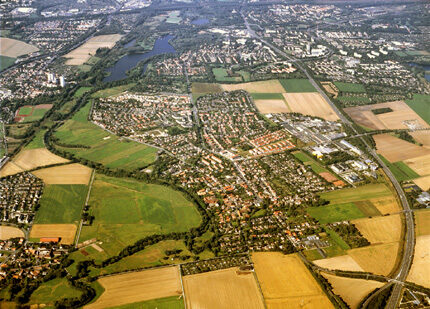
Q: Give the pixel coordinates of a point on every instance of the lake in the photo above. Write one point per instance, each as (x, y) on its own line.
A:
(122, 66)
(425, 67)
(200, 21)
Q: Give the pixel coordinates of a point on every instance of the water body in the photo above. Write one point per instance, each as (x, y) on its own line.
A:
(130, 44)
(119, 69)
(200, 21)
(425, 67)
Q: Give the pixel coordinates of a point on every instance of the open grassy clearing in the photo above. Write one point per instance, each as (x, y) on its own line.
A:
(126, 210)
(337, 239)
(307, 160)
(222, 75)
(64, 231)
(173, 302)
(352, 291)
(287, 283)
(37, 141)
(105, 148)
(81, 91)
(53, 290)
(297, 85)
(383, 229)
(365, 192)
(70, 174)
(222, 289)
(349, 87)
(336, 212)
(420, 103)
(61, 204)
(15, 48)
(267, 96)
(6, 62)
(112, 91)
(138, 286)
(342, 262)
(7, 232)
(420, 270)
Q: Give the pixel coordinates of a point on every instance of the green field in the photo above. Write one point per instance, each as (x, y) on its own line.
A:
(297, 85)
(61, 204)
(267, 96)
(337, 239)
(126, 210)
(174, 17)
(112, 91)
(307, 160)
(349, 87)
(6, 62)
(105, 148)
(37, 141)
(36, 113)
(25, 110)
(81, 91)
(346, 99)
(53, 290)
(336, 212)
(420, 103)
(400, 170)
(357, 194)
(221, 75)
(162, 303)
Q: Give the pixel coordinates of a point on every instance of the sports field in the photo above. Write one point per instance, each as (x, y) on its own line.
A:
(310, 103)
(382, 229)
(420, 270)
(7, 232)
(342, 262)
(49, 292)
(14, 48)
(287, 283)
(81, 54)
(395, 149)
(349, 87)
(126, 210)
(420, 103)
(61, 204)
(336, 212)
(138, 286)
(65, 231)
(70, 174)
(104, 147)
(222, 289)
(32, 113)
(351, 290)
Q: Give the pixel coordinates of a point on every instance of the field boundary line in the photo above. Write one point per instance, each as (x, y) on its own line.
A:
(182, 285)
(90, 185)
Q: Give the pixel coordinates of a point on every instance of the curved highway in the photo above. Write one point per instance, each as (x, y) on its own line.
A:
(408, 250)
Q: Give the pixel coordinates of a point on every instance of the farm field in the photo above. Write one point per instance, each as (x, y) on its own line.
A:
(286, 282)
(422, 222)
(267, 86)
(400, 170)
(138, 286)
(349, 87)
(7, 232)
(10, 168)
(272, 106)
(420, 270)
(383, 229)
(173, 302)
(395, 149)
(297, 85)
(14, 48)
(61, 204)
(81, 54)
(70, 174)
(352, 291)
(6, 62)
(222, 289)
(65, 231)
(336, 212)
(32, 113)
(366, 192)
(421, 165)
(420, 103)
(422, 137)
(401, 112)
(379, 259)
(423, 182)
(126, 210)
(105, 148)
(311, 103)
(53, 290)
(342, 262)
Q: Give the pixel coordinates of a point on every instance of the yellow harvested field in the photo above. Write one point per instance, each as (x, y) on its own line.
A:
(420, 270)
(400, 116)
(72, 174)
(310, 103)
(272, 106)
(138, 286)
(32, 158)
(266, 86)
(343, 262)
(351, 290)
(421, 165)
(422, 222)
(10, 168)
(422, 137)
(14, 48)
(7, 232)
(224, 288)
(383, 229)
(386, 205)
(287, 283)
(65, 231)
(84, 52)
(377, 259)
(395, 149)
(423, 182)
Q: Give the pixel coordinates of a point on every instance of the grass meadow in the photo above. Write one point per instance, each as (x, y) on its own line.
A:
(336, 212)
(297, 85)
(53, 290)
(420, 103)
(349, 87)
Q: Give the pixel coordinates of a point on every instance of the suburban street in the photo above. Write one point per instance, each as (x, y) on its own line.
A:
(408, 250)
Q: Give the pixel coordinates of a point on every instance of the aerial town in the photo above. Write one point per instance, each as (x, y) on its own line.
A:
(153, 152)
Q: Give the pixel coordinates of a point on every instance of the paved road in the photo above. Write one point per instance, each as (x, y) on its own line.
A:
(402, 273)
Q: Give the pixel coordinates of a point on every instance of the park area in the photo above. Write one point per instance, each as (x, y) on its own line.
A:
(127, 210)
(30, 113)
(287, 283)
(226, 288)
(100, 146)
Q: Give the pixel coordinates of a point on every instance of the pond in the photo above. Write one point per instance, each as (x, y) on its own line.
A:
(200, 21)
